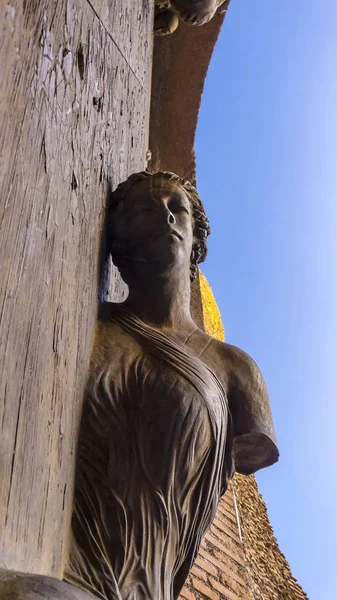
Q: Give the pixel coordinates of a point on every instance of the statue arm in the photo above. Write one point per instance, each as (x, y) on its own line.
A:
(253, 430)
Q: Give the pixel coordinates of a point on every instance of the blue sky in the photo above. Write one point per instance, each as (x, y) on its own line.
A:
(266, 152)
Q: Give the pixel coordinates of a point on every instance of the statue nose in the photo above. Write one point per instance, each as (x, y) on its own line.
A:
(171, 218)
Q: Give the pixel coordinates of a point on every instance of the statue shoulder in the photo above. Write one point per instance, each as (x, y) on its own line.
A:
(253, 429)
(235, 366)
(243, 370)
(237, 361)
(111, 342)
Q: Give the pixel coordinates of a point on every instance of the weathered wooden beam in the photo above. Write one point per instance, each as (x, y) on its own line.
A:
(75, 87)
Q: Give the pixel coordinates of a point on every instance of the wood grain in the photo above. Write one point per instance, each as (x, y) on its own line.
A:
(74, 97)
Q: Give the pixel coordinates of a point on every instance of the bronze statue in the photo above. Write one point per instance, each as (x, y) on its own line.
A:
(169, 413)
(165, 407)
(168, 13)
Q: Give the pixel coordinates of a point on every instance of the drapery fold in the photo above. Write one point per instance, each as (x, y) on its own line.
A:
(147, 486)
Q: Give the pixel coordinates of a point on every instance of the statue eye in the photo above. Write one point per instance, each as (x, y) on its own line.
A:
(178, 204)
(180, 208)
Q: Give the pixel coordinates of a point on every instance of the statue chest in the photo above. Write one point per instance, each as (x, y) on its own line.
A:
(148, 416)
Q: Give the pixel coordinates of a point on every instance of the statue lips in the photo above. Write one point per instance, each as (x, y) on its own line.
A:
(170, 232)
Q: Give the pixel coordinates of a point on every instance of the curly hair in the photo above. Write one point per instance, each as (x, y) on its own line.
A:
(201, 228)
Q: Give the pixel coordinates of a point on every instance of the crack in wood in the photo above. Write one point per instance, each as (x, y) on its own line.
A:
(114, 42)
(54, 138)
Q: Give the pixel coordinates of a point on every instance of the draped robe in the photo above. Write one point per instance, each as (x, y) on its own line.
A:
(154, 458)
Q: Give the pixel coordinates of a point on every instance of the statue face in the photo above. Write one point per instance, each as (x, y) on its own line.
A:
(154, 226)
(196, 12)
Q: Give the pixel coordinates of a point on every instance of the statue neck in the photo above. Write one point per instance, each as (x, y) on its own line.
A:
(163, 302)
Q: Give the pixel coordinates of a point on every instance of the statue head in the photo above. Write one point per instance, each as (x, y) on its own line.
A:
(156, 220)
(196, 12)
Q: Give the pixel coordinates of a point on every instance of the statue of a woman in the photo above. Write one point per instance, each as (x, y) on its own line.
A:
(169, 412)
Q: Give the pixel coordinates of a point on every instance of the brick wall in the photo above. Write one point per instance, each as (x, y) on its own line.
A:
(269, 573)
(219, 572)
